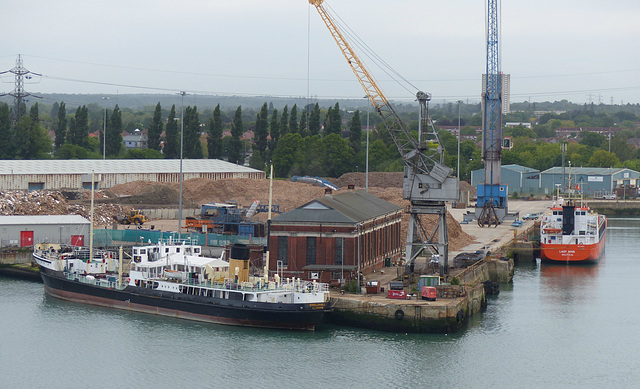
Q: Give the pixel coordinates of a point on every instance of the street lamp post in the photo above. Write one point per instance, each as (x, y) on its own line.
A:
(459, 101)
(182, 94)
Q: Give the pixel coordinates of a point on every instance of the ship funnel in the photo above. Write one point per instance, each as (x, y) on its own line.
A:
(239, 262)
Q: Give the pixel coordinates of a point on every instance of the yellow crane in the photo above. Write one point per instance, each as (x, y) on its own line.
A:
(427, 182)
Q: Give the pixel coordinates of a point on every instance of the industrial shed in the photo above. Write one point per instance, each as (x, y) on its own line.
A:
(519, 179)
(329, 238)
(25, 231)
(592, 181)
(77, 174)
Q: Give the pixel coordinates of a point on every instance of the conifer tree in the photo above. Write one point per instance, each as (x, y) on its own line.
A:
(155, 130)
(235, 146)
(61, 126)
(314, 120)
(274, 127)
(304, 129)
(114, 133)
(284, 121)
(261, 132)
(7, 151)
(192, 145)
(214, 138)
(293, 120)
(355, 132)
(172, 137)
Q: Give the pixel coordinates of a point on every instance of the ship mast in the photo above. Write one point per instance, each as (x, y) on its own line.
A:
(266, 266)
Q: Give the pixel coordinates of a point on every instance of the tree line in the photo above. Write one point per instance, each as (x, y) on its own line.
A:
(304, 140)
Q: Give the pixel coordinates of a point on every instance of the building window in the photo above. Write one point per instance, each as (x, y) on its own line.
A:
(283, 244)
(311, 250)
(339, 242)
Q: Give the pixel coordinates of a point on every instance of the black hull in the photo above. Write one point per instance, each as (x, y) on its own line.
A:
(200, 308)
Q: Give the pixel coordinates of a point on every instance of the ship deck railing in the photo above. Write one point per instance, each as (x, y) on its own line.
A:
(110, 282)
(297, 286)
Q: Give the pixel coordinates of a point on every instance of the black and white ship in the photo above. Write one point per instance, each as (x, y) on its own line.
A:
(176, 280)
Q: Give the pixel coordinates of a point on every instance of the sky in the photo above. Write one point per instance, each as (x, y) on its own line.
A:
(579, 50)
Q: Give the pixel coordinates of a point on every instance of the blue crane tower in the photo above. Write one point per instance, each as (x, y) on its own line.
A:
(491, 206)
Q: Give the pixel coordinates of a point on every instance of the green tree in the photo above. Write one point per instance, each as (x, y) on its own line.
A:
(192, 147)
(593, 139)
(603, 158)
(261, 131)
(274, 128)
(7, 151)
(61, 126)
(314, 120)
(293, 120)
(114, 133)
(339, 155)
(79, 134)
(172, 136)
(304, 127)
(235, 146)
(284, 121)
(333, 121)
(315, 157)
(143, 154)
(71, 151)
(355, 132)
(155, 130)
(287, 155)
(214, 140)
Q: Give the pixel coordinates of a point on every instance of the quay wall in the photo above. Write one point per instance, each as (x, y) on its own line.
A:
(616, 208)
(449, 313)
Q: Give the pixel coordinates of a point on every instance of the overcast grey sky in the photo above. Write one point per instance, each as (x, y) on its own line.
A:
(579, 50)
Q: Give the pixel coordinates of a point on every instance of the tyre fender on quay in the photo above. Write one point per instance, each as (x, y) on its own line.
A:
(399, 314)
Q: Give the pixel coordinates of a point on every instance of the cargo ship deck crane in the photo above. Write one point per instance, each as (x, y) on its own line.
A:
(491, 206)
(427, 183)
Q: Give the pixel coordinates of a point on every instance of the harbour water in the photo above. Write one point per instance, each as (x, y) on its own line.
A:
(555, 326)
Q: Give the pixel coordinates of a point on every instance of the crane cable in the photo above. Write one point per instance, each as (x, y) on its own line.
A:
(368, 51)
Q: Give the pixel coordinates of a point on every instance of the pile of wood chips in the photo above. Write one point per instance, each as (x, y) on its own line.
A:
(289, 195)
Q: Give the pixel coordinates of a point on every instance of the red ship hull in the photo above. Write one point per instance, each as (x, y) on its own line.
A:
(573, 253)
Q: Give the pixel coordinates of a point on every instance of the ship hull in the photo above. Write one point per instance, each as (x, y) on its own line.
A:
(199, 308)
(573, 253)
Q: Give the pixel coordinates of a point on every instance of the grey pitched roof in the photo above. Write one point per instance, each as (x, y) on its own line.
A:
(583, 170)
(42, 219)
(85, 166)
(348, 207)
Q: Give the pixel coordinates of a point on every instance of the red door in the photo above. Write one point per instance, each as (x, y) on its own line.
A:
(77, 240)
(26, 238)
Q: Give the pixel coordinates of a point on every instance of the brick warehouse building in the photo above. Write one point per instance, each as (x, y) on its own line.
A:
(324, 238)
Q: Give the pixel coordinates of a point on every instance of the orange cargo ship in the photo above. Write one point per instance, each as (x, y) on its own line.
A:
(572, 234)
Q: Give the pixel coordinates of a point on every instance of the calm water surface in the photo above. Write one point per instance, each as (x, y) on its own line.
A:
(555, 326)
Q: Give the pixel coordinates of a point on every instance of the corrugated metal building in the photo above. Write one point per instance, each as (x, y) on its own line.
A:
(25, 231)
(520, 179)
(76, 174)
(594, 182)
(324, 238)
